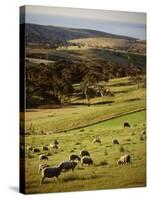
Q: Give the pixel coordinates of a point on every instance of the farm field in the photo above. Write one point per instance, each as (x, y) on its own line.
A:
(86, 54)
(76, 125)
(128, 97)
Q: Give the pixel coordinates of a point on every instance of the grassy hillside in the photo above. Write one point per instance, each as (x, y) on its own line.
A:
(127, 98)
(113, 43)
(42, 33)
(99, 176)
(87, 55)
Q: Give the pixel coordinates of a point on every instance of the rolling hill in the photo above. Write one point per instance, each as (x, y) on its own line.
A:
(112, 43)
(42, 33)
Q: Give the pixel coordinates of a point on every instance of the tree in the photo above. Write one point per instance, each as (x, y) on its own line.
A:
(139, 80)
(93, 79)
(61, 78)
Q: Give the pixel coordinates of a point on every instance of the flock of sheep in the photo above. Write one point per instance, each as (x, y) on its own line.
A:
(84, 158)
(49, 172)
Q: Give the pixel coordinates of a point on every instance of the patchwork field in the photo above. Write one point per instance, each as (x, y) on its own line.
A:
(85, 54)
(75, 126)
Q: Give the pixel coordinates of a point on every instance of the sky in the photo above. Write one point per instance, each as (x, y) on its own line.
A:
(131, 24)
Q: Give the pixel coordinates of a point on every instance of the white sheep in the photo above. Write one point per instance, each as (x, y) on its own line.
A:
(53, 146)
(84, 153)
(125, 159)
(86, 160)
(29, 148)
(96, 140)
(74, 157)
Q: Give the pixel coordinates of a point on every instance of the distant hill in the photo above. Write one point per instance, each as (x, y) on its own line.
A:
(42, 33)
(112, 43)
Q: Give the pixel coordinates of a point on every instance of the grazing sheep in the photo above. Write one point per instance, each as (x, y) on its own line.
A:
(97, 140)
(125, 159)
(115, 141)
(74, 157)
(56, 142)
(29, 148)
(66, 165)
(84, 153)
(45, 148)
(86, 160)
(126, 124)
(53, 146)
(35, 150)
(49, 172)
(42, 166)
(43, 157)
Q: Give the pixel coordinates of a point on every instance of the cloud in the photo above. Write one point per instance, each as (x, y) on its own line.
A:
(105, 15)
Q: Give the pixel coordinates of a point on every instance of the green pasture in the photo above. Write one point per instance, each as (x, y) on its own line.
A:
(86, 124)
(98, 176)
(127, 98)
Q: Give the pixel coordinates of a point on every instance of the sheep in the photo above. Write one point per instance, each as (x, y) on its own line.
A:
(96, 140)
(49, 172)
(66, 165)
(43, 157)
(74, 157)
(56, 142)
(126, 124)
(53, 146)
(125, 159)
(115, 141)
(29, 148)
(42, 166)
(45, 148)
(35, 150)
(86, 160)
(84, 153)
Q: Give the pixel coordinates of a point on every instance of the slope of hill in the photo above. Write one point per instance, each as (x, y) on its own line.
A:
(113, 43)
(42, 33)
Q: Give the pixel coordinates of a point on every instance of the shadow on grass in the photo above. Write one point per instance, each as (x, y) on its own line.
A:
(123, 84)
(70, 105)
(121, 92)
(134, 99)
(93, 104)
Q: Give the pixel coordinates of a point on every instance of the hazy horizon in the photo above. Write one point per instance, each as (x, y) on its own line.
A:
(130, 24)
